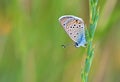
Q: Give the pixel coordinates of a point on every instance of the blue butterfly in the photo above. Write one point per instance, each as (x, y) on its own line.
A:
(74, 26)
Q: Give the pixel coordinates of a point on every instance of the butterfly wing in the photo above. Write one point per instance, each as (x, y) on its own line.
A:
(74, 26)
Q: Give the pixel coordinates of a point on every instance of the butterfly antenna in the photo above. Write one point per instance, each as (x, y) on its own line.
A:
(64, 46)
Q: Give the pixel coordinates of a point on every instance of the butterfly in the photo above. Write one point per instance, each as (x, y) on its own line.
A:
(74, 26)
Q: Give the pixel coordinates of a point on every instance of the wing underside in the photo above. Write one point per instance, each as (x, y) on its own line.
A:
(74, 26)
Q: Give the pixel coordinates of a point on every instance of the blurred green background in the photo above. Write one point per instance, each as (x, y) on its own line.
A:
(31, 38)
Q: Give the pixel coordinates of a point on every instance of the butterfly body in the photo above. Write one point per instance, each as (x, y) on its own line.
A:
(74, 26)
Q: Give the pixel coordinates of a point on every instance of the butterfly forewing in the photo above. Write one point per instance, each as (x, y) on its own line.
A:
(74, 26)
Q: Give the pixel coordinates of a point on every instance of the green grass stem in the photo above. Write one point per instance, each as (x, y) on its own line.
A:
(94, 14)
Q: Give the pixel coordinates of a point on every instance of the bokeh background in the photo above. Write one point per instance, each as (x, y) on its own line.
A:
(31, 38)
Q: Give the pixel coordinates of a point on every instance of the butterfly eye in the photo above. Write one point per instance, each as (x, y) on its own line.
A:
(76, 44)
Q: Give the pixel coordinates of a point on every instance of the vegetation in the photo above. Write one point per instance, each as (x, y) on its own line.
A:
(31, 38)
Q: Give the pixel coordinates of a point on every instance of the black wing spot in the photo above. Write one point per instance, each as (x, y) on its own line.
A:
(76, 20)
(73, 26)
(64, 24)
(74, 36)
(79, 25)
(77, 33)
(70, 33)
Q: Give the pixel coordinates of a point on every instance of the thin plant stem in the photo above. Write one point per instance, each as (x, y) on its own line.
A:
(94, 14)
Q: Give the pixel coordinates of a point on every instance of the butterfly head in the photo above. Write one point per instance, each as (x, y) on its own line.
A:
(78, 45)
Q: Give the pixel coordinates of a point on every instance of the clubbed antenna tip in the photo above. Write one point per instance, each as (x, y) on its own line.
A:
(63, 46)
